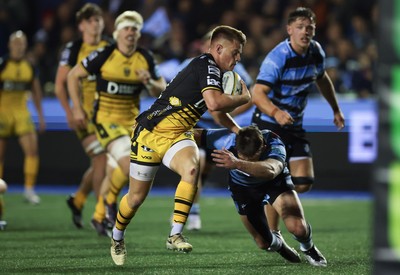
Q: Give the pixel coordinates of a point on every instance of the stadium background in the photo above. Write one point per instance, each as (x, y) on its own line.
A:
(348, 31)
(172, 30)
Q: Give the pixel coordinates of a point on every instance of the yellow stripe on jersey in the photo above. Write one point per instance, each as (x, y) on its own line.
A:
(178, 122)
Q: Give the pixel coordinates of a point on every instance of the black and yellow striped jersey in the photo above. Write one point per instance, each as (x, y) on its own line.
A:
(118, 86)
(73, 53)
(16, 79)
(181, 104)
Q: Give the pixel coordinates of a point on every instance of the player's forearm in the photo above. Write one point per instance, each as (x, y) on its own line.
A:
(155, 87)
(62, 95)
(328, 91)
(259, 169)
(73, 90)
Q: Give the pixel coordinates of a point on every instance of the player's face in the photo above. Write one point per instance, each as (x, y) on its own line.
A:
(229, 54)
(128, 36)
(17, 47)
(93, 26)
(301, 32)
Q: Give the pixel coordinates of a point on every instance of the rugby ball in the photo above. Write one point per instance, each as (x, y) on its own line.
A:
(3, 186)
(231, 83)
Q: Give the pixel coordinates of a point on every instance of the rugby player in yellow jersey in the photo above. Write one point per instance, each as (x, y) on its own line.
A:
(123, 70)
(91, 24)
(17, 81)
(164, 133)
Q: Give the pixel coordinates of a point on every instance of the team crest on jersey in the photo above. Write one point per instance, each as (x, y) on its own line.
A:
(188, 134)
(127, 71)
(174, 101)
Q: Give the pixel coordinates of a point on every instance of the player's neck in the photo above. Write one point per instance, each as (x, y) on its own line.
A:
(91, 39)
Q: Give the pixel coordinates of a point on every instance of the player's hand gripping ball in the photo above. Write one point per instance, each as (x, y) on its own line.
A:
(231, 83)
(3, 186)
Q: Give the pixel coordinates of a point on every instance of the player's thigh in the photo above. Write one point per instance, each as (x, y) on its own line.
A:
(301, 167)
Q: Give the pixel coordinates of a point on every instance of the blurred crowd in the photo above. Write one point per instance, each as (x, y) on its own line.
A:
(173, 30)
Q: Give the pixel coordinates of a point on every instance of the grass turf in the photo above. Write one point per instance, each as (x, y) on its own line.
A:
(42, 239)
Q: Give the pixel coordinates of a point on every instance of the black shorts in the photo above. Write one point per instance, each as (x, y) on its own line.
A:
(248, 197)
(295, 141)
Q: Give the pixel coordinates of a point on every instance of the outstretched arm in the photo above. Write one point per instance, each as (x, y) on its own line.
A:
(268, 169)
(327, 89)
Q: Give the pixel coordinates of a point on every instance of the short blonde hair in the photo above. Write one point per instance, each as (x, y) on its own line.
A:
(128, 18)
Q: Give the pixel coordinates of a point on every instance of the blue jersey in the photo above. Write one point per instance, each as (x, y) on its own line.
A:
(223, 138)
(291, 77)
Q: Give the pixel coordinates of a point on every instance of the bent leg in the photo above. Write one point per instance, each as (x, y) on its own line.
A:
(302, 172)
(129, 204)
(185, 162)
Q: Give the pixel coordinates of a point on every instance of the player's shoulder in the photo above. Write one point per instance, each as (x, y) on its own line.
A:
(205, 59)
(74, 44)
(316, 48)
(280, 53)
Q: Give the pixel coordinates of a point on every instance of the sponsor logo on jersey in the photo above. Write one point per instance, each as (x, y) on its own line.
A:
(146, 157)
(174, 101)
(214, 70)
(115, 88)
(213, 82)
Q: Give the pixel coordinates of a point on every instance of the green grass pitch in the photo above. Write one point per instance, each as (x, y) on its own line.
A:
(42, 240)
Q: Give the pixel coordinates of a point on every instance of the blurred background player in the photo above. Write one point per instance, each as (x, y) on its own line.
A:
(208, 121)
(123, 70)
(18, 79)
(3, 189)
(281, 91)
(90, 24)
(257, 173)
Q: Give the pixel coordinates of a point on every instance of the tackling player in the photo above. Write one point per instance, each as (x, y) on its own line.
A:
(257, 175)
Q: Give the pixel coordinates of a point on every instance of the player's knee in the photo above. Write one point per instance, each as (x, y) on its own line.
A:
(135, 200)
(303, 184)
(297, 228)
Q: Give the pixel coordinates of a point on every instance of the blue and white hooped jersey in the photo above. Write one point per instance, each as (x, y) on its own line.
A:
(223, 138)
(290, 77)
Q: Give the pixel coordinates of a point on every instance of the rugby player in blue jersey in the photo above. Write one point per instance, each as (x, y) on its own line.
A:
(258, 174)
(280, 93)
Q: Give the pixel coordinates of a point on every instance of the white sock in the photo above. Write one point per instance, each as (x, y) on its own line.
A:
(117, 234)
(177, 228)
